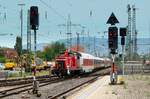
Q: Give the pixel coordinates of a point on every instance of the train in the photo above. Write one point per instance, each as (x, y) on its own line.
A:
(74, 62)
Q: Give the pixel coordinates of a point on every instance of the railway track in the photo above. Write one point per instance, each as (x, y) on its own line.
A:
(21, 81)
(65, 93)
(28, 87)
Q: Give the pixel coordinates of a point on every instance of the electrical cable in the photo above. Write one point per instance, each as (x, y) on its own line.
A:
(54, 10)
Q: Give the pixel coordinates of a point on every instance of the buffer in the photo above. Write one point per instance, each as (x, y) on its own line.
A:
(112, 19)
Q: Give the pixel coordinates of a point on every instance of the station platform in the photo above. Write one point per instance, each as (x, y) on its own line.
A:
(135, 87)
(94, 90)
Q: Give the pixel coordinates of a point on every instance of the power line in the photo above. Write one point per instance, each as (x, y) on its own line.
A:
(54, 10)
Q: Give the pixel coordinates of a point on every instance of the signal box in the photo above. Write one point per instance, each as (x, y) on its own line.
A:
(123, 31)
(113, 37)
(34, 17)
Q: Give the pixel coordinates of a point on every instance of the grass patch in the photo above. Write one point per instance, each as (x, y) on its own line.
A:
(41, 73)
(12, 75)
(26, 74)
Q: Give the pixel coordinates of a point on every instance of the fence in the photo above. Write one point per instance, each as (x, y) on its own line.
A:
(136, 67)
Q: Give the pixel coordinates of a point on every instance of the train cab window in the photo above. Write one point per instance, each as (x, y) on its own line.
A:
(61, 64)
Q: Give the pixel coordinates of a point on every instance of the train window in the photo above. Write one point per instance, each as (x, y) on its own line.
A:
(97, 62)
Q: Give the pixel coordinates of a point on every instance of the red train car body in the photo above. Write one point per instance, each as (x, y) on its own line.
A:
(70, 63)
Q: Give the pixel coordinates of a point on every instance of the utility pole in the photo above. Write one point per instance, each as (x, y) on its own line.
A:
(88, 46)
(28, 33)
(28, 40)
(102, 37)
(78, 41)
(82, 33)
(94, 45)
(21, 23)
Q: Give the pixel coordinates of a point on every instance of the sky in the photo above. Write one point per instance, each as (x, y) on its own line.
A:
(57, 12)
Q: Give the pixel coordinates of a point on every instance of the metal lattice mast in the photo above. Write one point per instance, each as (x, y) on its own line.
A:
(94, 46)
(129, 34)
(134, 30)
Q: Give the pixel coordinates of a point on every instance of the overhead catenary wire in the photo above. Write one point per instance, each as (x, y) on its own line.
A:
(53, 9)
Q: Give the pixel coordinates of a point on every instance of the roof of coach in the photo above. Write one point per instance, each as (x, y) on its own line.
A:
(86, 55)
(89, 56)
(108, 59)
(100, 58)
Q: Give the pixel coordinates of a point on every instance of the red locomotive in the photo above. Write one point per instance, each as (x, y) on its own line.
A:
(70, 63)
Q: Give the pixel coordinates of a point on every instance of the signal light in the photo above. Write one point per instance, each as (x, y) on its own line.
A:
(113, 37)
(34, 17)
(123, 31)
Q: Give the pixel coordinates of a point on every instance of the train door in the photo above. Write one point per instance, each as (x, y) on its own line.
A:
(60, 68)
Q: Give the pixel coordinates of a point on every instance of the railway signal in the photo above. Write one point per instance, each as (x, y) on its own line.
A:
(113, 45)
(123, 31)
(34, 17)
(113, 38)
(34, 24)
(123, 34)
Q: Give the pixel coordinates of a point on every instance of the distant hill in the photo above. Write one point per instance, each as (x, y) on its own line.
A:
(40, 46)
(101, 45)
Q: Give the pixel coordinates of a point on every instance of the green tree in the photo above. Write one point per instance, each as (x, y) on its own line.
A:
(18, 45)
(2, 58)
(40, 54)
(51, 51)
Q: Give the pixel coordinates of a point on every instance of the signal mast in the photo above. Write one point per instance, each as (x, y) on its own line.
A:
(113, 45)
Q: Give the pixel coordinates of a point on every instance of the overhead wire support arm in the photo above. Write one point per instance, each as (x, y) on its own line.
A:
(69, 26)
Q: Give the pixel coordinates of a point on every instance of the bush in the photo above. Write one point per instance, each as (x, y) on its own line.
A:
(2, 59)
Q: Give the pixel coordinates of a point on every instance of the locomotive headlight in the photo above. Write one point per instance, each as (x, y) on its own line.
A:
(68, 71)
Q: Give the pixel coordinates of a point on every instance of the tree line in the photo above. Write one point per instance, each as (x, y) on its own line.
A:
(49, 53)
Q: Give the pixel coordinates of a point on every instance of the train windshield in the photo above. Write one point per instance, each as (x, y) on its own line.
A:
(61, 64)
